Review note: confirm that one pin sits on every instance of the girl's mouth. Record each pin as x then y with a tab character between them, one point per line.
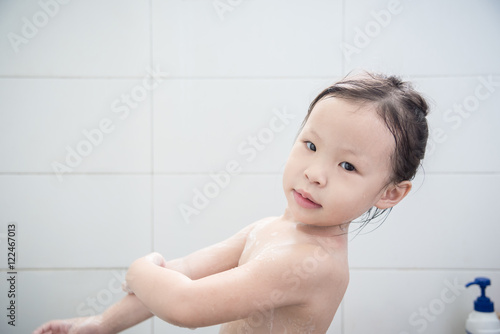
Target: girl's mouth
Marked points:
301	197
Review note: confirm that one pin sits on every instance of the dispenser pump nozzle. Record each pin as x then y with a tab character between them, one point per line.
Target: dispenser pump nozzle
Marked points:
482	303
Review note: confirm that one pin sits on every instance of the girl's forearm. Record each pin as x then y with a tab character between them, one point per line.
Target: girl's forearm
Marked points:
126	313
130	310
159	289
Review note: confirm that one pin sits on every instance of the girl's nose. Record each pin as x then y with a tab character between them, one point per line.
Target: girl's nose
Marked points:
315	175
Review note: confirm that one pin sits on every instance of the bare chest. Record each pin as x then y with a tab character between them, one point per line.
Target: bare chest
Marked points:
275	322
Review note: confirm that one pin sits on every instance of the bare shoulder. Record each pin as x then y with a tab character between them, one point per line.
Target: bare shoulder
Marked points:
245	231
305	266
263	222
253	228
319	262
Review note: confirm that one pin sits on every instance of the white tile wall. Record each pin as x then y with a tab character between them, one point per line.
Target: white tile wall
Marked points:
447	221
248	38
423	38
463	112
71	38
68	126
77	223
183	85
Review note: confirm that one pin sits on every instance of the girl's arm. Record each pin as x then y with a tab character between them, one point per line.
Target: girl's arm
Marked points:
213	259
126	313
257	286
130	310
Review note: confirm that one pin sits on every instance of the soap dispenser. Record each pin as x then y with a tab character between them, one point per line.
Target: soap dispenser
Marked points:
483	320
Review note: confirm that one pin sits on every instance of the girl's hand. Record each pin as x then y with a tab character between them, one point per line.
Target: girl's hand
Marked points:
154	258
126	288
88	325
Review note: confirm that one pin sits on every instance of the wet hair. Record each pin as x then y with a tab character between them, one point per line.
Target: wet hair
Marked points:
403	110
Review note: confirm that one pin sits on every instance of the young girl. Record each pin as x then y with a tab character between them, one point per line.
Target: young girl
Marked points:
360	144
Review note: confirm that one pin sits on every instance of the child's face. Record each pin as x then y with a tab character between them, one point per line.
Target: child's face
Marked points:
340	161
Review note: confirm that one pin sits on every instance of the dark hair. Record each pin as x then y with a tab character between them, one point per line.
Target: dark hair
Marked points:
403	110
401	107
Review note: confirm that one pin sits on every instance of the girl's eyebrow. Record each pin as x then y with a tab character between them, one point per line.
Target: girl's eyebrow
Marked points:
345	149
310	131
350	151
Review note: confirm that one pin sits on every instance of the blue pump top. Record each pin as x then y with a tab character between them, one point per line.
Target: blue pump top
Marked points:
482	303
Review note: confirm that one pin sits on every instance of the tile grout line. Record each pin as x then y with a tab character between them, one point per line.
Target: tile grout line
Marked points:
151	99
342	39
62	269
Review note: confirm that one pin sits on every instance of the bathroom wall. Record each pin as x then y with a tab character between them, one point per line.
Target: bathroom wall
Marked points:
132	126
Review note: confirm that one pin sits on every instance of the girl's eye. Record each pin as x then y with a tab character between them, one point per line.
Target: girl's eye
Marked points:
347	166
311	146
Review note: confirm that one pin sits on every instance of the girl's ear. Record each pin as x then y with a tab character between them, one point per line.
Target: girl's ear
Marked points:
393	194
